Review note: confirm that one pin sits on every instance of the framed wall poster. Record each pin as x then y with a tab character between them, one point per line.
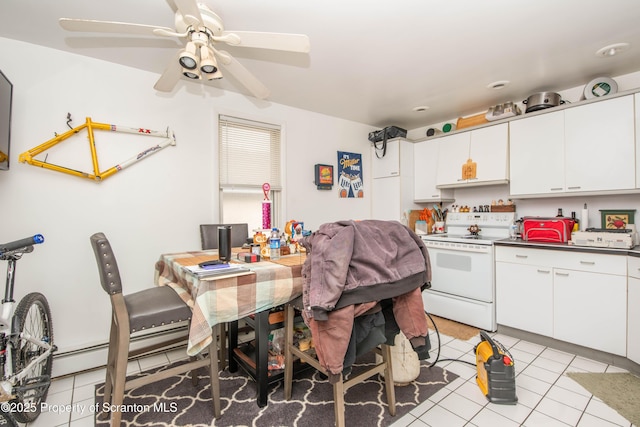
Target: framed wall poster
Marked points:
323	177
350	175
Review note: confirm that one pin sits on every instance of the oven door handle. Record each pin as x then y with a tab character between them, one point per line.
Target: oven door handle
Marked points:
475	249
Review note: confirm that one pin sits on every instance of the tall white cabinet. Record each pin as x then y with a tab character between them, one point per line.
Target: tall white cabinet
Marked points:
393	179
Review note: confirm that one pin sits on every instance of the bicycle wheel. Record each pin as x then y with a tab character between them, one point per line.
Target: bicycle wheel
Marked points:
7	420
32	317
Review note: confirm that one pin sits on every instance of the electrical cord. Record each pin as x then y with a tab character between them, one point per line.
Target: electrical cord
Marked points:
440	345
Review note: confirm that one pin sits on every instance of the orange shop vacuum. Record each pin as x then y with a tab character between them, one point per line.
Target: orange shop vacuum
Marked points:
496	371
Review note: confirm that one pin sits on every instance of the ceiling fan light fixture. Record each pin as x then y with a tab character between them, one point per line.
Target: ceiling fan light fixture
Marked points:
192	74
188	58
208	63
217	75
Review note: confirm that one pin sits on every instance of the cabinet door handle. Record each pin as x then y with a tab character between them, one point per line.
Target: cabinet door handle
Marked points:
435	195
574	188
471	179
556	189
461	179
544	271
561	274
527	256
588	262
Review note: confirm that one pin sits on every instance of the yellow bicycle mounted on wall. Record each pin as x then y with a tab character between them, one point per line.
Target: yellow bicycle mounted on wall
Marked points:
97	175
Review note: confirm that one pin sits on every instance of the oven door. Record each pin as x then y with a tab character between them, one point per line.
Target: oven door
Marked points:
462	269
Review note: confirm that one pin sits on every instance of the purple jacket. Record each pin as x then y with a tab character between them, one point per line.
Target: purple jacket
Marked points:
351	262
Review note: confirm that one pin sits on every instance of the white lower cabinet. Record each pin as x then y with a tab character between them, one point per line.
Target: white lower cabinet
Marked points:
590	310
633	310
533	284
577	297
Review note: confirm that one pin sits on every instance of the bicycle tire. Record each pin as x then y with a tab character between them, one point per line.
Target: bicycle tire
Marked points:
33	316
7	420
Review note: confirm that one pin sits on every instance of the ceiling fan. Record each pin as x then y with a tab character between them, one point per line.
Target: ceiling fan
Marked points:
203	32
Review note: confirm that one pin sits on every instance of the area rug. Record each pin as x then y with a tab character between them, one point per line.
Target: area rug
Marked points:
176	402
620	391
453	329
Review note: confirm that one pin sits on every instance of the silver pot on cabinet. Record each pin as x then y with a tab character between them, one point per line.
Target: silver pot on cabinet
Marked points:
541	100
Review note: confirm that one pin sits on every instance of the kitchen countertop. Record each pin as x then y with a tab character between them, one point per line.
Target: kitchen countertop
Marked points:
635	251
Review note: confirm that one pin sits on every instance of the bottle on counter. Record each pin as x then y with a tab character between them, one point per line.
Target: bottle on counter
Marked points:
576	222
559	213
514	230
274	244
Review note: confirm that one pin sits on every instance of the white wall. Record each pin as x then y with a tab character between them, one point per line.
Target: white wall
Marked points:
152	207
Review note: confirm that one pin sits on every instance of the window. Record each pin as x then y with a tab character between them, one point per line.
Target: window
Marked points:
249	156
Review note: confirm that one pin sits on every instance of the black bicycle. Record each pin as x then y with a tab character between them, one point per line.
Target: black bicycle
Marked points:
26	343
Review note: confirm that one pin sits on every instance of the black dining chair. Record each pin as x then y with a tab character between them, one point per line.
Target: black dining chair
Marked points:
138	312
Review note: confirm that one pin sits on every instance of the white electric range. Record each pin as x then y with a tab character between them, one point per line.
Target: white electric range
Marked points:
462	268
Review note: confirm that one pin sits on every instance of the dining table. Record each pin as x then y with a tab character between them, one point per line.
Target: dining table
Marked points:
220	300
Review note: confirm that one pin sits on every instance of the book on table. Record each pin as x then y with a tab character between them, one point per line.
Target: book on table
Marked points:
217	270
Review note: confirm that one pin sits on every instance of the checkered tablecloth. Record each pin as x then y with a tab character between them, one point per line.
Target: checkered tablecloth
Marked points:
215	301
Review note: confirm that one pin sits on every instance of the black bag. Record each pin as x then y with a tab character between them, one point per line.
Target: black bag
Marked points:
383	135
389	132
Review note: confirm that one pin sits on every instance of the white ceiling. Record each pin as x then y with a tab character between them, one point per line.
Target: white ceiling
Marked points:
372	61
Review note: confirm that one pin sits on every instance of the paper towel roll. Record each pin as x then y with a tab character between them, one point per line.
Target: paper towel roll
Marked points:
584	218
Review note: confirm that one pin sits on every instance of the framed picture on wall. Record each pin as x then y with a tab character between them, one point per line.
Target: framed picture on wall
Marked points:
324	177
617	219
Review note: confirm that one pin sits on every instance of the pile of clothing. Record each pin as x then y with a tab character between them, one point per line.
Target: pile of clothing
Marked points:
362	283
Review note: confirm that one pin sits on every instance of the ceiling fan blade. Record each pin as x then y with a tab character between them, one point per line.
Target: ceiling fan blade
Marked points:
243	75
88	25
190	11
276	41
169	77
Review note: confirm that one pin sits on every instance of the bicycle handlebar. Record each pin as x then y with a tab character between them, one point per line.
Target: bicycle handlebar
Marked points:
22	243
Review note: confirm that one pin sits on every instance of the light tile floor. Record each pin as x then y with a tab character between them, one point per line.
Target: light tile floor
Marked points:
546	396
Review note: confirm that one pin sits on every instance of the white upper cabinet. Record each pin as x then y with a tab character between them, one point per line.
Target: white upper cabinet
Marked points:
536	153
425	169
637	121
483	151
600	146
584	149
389	164
489	149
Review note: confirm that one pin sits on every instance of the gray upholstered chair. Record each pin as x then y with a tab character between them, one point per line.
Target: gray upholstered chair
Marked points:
143	310
209	235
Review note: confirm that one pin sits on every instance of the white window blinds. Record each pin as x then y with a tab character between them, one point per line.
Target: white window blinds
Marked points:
249	153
